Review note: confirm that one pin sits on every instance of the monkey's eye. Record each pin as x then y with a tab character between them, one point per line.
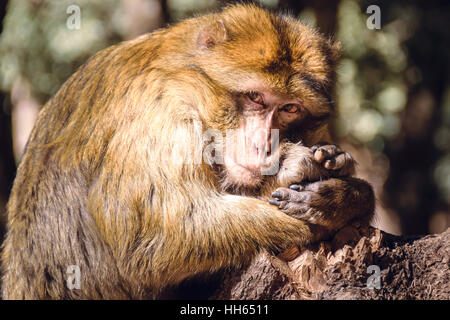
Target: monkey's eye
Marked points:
291	108
255	97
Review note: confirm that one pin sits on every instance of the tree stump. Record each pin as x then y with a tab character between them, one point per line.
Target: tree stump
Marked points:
359	262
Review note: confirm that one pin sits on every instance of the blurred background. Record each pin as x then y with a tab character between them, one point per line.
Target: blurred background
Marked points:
393	90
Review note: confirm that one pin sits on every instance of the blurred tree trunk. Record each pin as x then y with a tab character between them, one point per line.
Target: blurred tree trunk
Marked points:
7	165
25	110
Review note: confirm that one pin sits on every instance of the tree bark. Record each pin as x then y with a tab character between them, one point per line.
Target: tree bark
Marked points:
409	268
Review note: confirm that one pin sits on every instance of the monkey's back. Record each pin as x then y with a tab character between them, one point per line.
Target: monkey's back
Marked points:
50	226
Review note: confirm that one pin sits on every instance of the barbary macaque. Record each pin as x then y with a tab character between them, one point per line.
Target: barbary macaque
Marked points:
106	186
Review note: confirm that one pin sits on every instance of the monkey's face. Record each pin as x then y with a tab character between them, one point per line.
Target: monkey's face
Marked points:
278	75
254	147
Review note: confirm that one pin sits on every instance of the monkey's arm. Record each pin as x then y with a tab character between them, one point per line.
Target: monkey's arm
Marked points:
206	235
228	230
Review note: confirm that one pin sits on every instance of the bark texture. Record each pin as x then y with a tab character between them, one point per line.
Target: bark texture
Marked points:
409	268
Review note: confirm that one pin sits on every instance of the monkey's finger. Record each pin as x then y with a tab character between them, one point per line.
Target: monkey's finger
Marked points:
284	194
325	152
281	193
296	187
320	155
343	162
335	163
330	164
280	204
305	206
275	202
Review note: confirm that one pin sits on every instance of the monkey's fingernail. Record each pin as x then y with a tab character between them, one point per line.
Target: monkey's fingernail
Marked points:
330	164
275	202
276	194
319	155
295	187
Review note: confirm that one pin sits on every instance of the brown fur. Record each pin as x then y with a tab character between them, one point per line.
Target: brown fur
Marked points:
100	186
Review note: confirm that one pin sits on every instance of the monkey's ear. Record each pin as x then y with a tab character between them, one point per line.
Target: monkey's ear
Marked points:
212	35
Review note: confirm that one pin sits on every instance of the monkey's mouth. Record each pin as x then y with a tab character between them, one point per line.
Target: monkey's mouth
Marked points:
247	174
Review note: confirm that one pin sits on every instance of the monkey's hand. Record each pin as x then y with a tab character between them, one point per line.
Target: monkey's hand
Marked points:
333	158
331	203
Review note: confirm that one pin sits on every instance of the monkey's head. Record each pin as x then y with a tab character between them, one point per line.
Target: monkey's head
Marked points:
274	73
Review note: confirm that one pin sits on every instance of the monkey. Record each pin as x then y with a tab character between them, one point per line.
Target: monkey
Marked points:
105	185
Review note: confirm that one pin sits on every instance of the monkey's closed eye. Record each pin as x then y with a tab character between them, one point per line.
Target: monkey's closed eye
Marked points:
256	97
291	108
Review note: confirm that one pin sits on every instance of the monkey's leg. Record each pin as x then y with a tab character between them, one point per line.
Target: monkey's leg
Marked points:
331	203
